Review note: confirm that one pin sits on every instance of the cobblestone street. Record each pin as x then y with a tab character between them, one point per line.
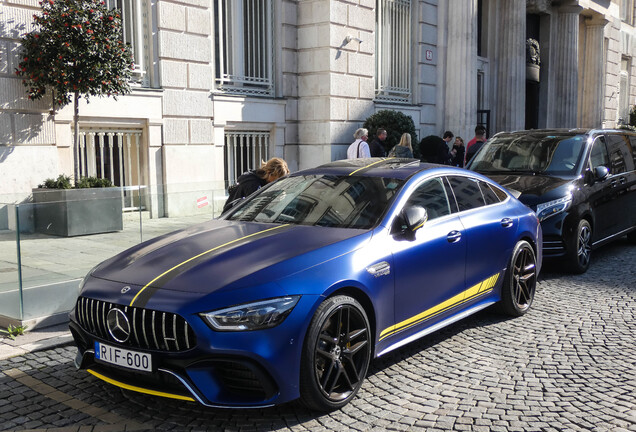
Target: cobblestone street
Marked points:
568	365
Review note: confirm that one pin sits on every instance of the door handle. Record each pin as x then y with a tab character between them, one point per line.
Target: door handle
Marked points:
506	222
622	180
613	183
454	236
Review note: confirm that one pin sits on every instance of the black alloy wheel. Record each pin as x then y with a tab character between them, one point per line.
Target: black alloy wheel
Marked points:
520	282
580	252
336	354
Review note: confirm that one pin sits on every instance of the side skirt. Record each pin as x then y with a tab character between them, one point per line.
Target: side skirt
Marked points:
436	327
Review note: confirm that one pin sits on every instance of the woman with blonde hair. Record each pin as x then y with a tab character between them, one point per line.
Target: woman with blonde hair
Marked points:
404	148
251	181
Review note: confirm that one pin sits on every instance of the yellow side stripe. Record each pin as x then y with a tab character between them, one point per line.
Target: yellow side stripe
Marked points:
138	389
370	165
478	289
201	254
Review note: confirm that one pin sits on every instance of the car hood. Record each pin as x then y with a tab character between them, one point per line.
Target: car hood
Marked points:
533	189
219	254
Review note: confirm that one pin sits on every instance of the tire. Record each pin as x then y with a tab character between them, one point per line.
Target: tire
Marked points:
336	354
520	281
580	250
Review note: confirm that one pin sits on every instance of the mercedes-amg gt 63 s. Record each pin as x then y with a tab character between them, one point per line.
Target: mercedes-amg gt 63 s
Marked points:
293	291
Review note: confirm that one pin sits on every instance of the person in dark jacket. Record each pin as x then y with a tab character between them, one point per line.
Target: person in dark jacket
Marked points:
458	152
435	149
376	147
250	181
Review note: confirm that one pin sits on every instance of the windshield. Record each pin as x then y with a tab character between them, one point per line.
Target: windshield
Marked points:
539	154
323	200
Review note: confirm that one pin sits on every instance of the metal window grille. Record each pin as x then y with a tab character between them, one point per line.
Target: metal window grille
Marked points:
244	151
135	32
115	155
243	46
393	60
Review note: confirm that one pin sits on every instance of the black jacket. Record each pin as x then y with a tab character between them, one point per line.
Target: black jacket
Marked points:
435	150
376	148
246	185
458	159
472	150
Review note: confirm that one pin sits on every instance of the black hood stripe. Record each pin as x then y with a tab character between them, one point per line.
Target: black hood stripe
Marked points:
144	295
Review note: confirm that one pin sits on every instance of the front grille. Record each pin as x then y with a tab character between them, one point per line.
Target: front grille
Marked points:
149	329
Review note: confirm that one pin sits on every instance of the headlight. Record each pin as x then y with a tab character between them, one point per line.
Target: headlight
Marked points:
251	316
550	208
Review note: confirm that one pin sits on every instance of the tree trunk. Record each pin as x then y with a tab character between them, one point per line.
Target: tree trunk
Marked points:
76	137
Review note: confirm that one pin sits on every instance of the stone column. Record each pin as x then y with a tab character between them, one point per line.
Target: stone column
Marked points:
511	67
566	66
591	106
460	104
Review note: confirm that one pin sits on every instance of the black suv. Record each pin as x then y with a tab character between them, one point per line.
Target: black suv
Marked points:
581	184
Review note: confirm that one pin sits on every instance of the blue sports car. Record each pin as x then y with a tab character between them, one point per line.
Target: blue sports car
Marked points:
293	292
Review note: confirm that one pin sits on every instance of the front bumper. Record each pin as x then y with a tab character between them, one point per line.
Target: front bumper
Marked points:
224	369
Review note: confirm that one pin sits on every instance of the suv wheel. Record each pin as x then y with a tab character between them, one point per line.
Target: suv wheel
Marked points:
580	250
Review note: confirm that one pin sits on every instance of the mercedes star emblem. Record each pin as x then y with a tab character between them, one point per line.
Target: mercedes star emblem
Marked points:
118	325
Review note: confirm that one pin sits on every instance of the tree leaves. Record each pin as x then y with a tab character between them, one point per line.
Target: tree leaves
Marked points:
76	46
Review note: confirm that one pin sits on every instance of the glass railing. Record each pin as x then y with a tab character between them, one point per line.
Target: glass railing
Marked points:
49	242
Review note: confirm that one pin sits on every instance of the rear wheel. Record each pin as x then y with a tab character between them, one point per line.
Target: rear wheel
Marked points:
580	250
336	354
520	281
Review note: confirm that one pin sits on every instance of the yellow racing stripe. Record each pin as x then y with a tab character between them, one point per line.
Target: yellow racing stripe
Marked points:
201	254
370	165
138	389
463	297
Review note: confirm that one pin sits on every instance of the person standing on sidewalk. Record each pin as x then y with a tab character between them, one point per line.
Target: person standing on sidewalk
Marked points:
376	147
359	148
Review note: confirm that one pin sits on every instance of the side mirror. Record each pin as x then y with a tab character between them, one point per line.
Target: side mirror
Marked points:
413	217
600	172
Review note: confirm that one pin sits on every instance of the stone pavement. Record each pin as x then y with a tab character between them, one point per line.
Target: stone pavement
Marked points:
567	365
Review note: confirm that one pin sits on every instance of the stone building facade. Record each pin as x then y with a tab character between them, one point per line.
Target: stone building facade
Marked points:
221	84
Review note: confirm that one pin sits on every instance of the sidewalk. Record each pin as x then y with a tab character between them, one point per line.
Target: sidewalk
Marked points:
36	340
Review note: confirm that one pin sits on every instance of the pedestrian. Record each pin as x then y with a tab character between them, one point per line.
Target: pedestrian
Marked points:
475	144
435	149
376	147
458	152
404	148
359	148
250	181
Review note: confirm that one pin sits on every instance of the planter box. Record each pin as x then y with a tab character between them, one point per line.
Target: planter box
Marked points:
74	212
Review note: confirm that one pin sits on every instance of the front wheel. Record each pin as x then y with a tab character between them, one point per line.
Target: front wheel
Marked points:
336	354
580	250
520	281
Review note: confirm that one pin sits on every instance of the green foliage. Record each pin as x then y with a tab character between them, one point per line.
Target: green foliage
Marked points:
14	331
395	123
75	48
93	182
64	182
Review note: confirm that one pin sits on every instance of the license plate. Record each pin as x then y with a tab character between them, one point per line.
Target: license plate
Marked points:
123	357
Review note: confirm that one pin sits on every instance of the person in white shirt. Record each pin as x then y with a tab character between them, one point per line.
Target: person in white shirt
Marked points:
359	148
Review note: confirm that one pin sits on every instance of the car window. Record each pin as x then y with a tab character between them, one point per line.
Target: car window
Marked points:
598	155
620	154
467	192
489	196
432	196
553	154
323	200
